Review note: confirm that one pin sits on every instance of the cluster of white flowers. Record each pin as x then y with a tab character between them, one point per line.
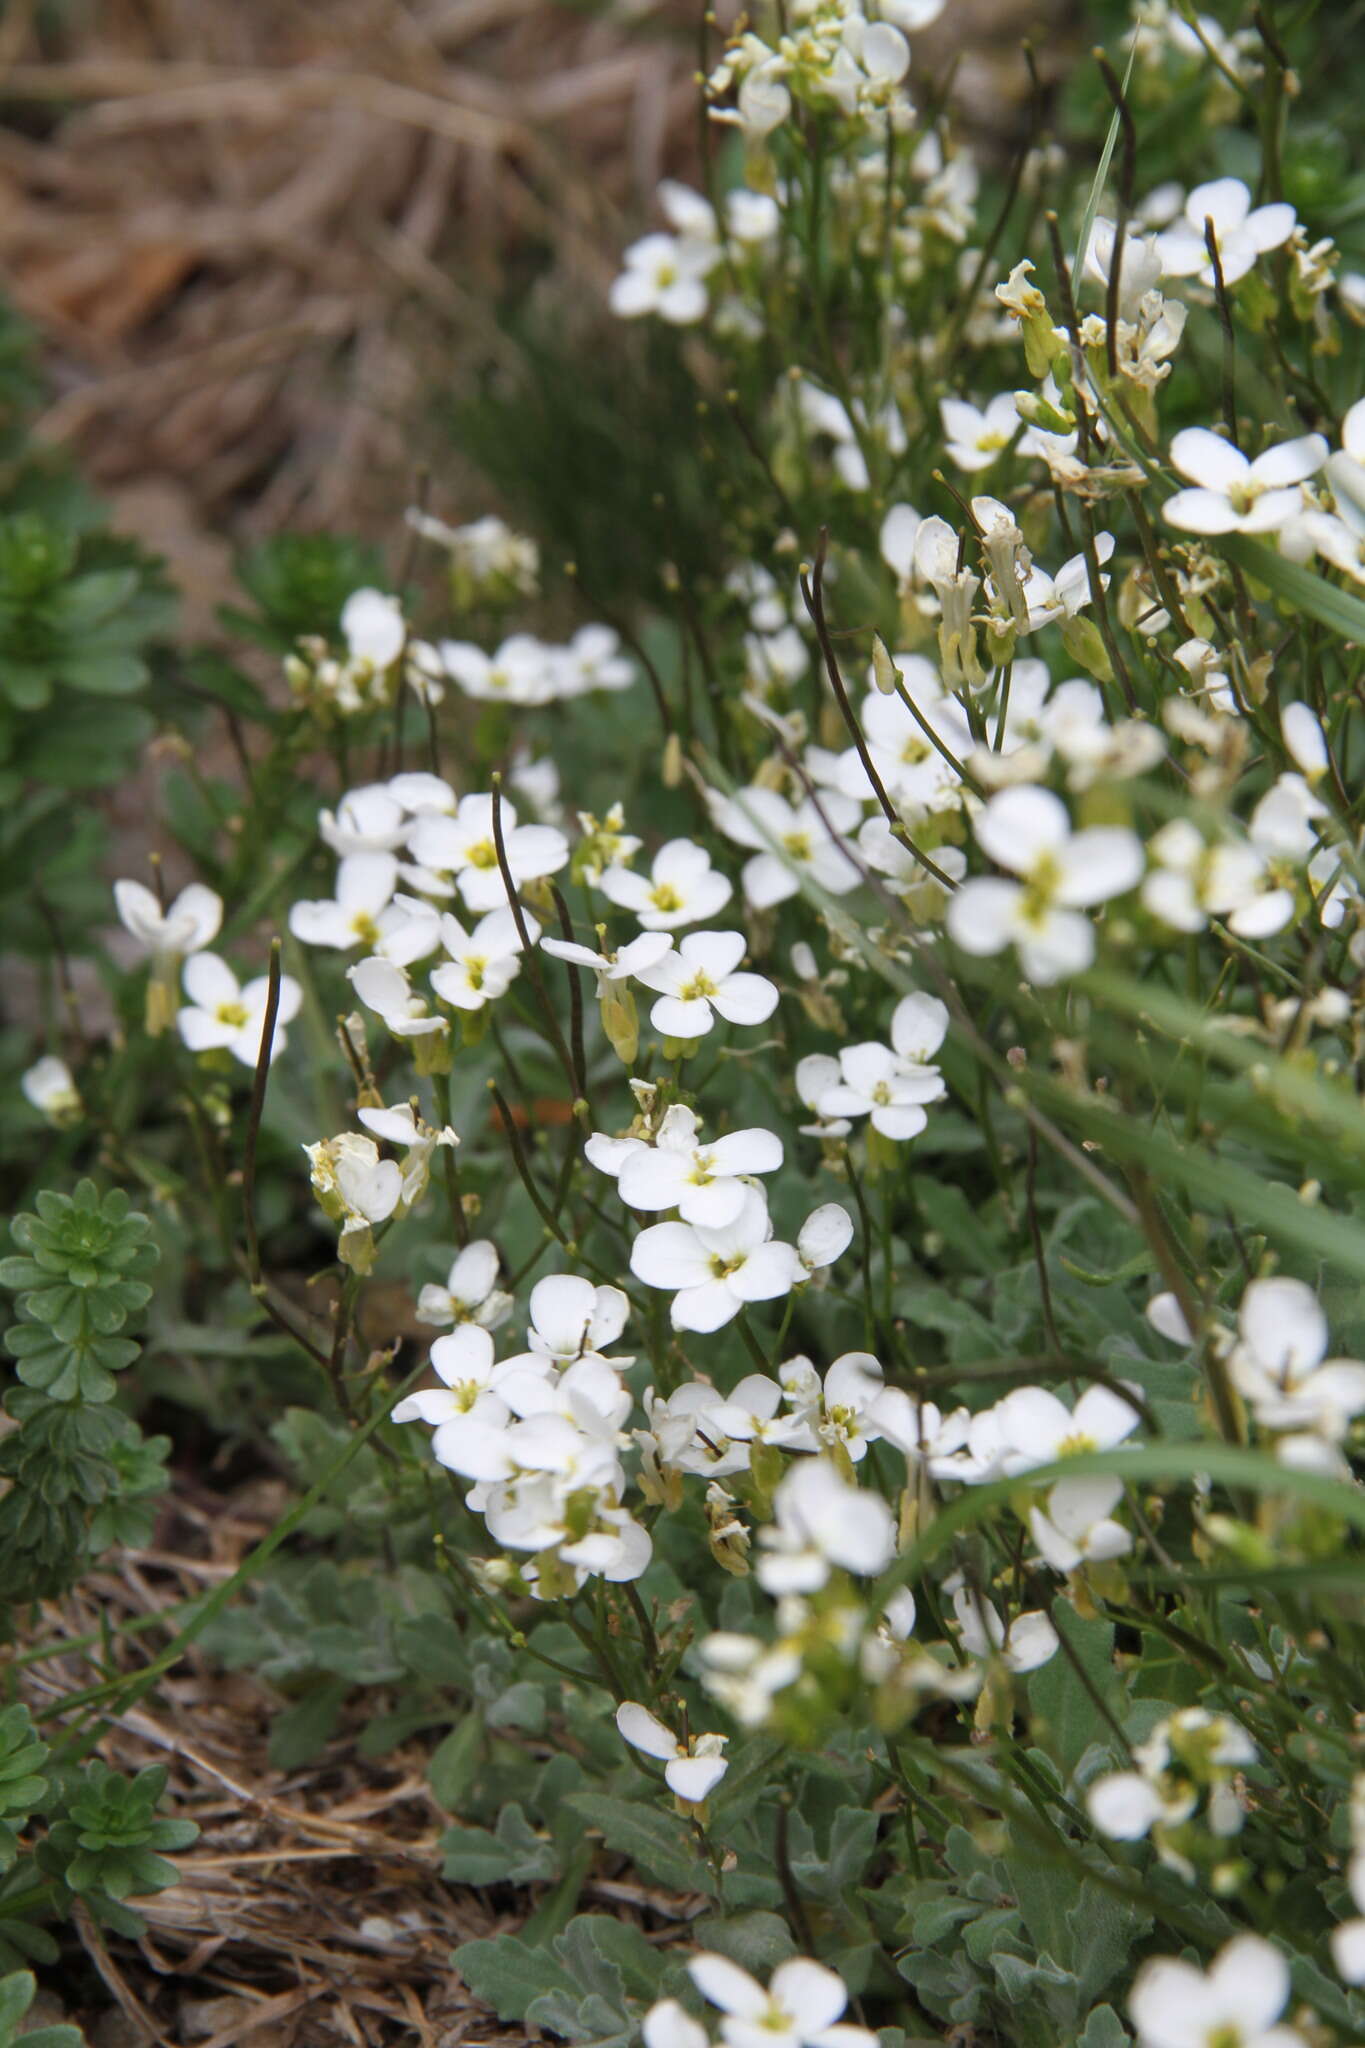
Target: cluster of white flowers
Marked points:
221	1014
1183	1785
360	1189
539	1435
831	55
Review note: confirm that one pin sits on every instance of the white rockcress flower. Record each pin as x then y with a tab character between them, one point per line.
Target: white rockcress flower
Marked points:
1077	1527
698	981
1032	1427
483	963
1028	831
842	1410
1233	495
51	1088
1241	232
523	671
360	913
1280	1365
692	1770
664	274
1192	882
891	1085
571	1319
801	2008
367	820
820	1522
703	1181
373	628
189	924
223	1015
467	1401
974	437
714	1273
385	988
463	845
642	951
682	887
793	840
1028	1641
1234	2004
470	1294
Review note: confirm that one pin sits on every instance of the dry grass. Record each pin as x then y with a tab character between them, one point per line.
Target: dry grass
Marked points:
254	236
312	1908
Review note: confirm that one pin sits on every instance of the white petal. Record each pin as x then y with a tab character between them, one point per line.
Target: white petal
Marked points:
1207	459
644	1731
695	1777
725	1985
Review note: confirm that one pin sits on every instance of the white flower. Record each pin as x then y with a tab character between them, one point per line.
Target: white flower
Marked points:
1077	1526
384	987
470	1294
192	922
799	2009
683	887
669	2025
1192	882
364	890
465	1411
51	1088
1305	739
702	1181
372	624
593	661
815	1075
523	671
664	274
698	981
368	820
1233	495
824	1237
1028	831
644	950
572	1319
1033	1427
482	963
794	840
973	438
845	1409
223	1015
1240	233
1234	2004
692	1770
822	1521
463	845
713	1274
1125	1805
1028	1641
1280	1362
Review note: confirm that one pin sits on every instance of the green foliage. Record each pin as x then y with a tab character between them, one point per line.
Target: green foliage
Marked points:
82	1476
107	1844
17	1993
299	582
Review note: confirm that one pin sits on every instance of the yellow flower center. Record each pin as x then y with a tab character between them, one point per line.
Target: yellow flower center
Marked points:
798	845
665	898
484	855
697	990
232	1013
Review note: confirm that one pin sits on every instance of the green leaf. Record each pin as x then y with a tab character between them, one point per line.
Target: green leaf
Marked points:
1067	1719
758	1942
1300	587
659	1843
512	1854
17	1992
451	1770
1104	2029
509	1974
303	1730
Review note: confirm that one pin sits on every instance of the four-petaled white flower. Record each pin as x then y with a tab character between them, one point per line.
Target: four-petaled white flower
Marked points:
188	925
794	840
714	1273
820	1522
481	964
664	274
1241	232
470	1294
974	437
692	1770
222	1015
464	845
360	913
1235	2003
704	1181
698	981
801	2008
1028	831
1234	495
1280	1364
682	887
